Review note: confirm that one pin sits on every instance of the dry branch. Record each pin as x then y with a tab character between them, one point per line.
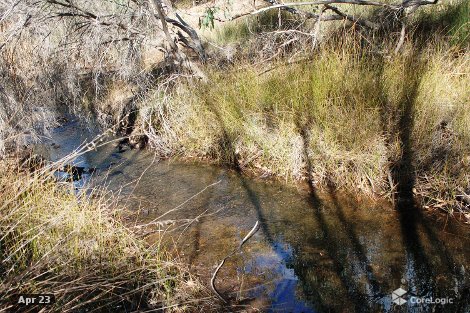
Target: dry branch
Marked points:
214	275
290	7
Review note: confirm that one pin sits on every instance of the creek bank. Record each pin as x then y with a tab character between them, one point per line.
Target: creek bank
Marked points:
82	132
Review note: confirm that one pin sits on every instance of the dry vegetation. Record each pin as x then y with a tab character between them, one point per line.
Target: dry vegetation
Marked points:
77	247
285	96
282	98
73	55
340	111
340	116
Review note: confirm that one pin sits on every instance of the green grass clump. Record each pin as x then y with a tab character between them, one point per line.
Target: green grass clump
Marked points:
353	113
341	117
76	247
447	19
273	122
244	29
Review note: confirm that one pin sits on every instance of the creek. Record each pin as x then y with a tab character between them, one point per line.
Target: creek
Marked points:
313	252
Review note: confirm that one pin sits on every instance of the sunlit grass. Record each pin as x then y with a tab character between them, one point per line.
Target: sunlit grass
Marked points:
76	247
342	110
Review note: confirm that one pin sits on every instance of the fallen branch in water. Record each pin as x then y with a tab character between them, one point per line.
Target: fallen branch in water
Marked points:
214	275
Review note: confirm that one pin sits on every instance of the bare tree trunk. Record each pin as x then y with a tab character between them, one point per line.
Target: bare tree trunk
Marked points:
157	6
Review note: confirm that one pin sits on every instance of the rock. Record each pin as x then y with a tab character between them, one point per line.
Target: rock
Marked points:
76	172
61	120
138	139
123	145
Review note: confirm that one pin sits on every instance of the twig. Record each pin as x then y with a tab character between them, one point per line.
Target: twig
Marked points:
182	204
359	21
392	186
402	38
317	27
214	275
292	4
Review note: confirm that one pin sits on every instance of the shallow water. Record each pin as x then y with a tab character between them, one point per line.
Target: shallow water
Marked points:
324	252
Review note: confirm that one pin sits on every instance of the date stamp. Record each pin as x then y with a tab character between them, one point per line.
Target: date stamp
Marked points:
32	299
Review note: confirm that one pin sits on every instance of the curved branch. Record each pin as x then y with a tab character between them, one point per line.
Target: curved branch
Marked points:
214	275
396	6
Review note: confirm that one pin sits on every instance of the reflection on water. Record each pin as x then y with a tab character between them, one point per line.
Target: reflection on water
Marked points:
327	253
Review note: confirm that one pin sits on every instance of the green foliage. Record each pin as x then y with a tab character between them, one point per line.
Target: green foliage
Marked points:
207	20
460	24
452	20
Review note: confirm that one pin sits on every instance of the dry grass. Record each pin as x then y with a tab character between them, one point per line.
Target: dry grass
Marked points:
347	114
337	117
75	246
67	56
334	117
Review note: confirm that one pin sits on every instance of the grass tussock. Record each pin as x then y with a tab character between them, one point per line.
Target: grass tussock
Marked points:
448	19
338	108
76	247
341	117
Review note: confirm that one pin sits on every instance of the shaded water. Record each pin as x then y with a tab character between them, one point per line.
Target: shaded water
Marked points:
322	252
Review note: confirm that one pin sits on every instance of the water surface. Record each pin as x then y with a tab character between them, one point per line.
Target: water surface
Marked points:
314	251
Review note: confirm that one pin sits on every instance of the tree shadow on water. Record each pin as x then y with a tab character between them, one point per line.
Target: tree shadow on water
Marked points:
336	251
420	273
358	248
359	295
403	174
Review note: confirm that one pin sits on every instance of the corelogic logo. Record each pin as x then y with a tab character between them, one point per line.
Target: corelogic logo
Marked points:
397	296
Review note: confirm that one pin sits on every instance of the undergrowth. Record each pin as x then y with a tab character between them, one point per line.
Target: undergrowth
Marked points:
76	247
339	117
